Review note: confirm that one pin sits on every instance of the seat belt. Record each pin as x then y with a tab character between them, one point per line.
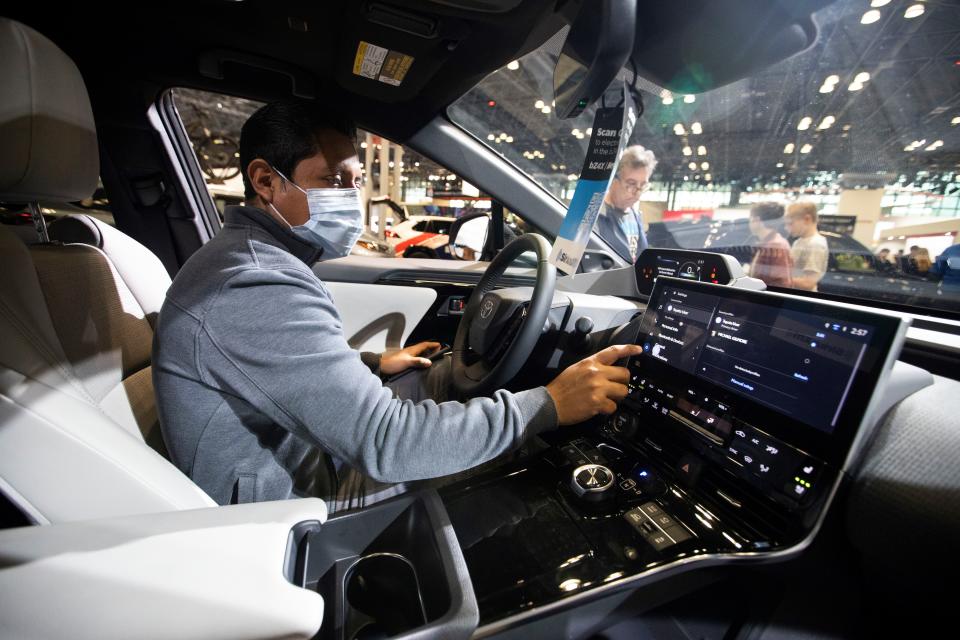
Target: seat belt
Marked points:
39	224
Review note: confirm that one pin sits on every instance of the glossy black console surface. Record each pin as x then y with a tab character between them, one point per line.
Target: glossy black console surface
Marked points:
529	540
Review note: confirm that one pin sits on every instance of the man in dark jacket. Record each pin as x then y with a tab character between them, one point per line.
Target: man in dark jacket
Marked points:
254	378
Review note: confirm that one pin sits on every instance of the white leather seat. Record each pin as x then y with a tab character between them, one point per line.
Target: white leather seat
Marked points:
76	395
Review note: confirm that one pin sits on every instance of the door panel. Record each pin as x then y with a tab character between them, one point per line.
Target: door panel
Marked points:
378	317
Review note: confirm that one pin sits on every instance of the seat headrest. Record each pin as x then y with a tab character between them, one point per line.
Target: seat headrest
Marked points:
46	122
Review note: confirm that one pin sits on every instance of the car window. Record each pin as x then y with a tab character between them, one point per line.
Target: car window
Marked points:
864	127
418	202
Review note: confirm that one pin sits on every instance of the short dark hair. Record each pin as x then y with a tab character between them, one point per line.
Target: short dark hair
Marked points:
284	133
766	211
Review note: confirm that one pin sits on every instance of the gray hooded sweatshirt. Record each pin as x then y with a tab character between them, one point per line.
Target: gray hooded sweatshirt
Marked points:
257	387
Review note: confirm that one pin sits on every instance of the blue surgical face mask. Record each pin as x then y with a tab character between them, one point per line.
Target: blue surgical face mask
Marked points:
336	219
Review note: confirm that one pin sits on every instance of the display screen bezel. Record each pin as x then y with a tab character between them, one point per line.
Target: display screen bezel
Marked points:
830	447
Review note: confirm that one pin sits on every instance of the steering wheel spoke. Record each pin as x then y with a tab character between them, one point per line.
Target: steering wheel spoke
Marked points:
506	342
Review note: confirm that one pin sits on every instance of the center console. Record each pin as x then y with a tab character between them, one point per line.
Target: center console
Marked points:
744	411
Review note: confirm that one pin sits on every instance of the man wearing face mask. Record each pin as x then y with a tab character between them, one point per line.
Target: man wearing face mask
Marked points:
259	395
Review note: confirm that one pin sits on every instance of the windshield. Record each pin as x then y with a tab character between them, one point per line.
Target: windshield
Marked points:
837	170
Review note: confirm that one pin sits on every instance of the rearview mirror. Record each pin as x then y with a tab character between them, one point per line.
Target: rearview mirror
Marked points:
597	47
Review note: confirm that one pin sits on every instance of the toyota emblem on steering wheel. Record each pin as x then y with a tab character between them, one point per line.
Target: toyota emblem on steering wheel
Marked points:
486	309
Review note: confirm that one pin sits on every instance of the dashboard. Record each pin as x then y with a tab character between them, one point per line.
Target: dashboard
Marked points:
701	266
744	410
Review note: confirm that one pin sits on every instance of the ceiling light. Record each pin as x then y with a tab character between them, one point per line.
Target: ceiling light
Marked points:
708	177
509	138
913	11
687	151
701	150
689	99
668	100
834	79
572	176
693	166
704	165
678	129
589	131
490	136
575	132
696	128
826	123
538	104
546	108
846	127
826	88
416	164
779	165
862	77
909	147
806	148
870	17
804	123
855	86
788	148
879	3
934	145
580	136
956	120
391	164
513	65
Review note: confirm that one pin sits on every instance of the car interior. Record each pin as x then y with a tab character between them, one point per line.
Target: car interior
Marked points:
786	464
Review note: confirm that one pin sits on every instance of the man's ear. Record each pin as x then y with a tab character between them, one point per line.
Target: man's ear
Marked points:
261	178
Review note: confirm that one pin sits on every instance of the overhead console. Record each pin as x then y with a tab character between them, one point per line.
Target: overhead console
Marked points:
744	410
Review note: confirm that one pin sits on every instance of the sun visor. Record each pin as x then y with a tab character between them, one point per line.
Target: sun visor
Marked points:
379	59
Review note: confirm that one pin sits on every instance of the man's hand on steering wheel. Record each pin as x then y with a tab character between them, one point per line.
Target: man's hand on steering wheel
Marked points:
394	362
592	385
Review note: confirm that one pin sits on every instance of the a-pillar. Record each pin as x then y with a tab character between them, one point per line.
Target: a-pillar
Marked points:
383	177
368	173
395	192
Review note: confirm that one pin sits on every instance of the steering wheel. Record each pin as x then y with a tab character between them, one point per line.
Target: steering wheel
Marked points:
499	329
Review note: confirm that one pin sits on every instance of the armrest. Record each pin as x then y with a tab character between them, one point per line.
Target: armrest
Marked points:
204	573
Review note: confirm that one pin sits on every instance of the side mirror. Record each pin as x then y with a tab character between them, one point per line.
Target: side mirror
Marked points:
468	239
596	261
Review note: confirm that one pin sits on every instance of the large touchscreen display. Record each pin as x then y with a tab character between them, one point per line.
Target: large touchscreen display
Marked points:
798	358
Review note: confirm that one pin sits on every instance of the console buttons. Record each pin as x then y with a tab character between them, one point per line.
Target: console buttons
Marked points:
664	521
650	508
628	485
573	455
660	541
689	469
594	456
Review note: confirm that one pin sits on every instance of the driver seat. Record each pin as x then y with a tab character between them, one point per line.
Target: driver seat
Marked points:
76	395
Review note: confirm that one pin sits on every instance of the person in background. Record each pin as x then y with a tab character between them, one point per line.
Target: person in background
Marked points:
922	261
885	261
809	251
771	263
947	267
620	222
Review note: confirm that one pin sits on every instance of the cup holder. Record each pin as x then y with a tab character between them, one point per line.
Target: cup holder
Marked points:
382	597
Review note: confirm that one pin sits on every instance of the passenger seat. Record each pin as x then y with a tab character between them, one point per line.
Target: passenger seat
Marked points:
76	393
